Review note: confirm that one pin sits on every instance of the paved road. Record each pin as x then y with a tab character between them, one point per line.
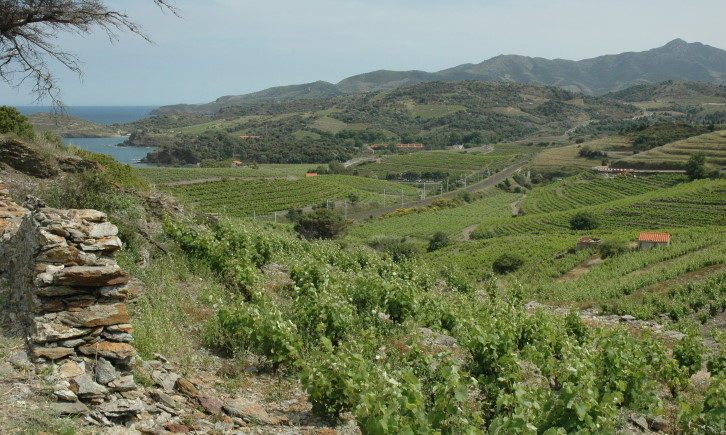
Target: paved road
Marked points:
489	182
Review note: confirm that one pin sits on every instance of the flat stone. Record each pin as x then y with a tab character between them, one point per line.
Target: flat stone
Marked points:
211	405
122	408
96	315
112	243
130	290
105	372
120	337
20	359
65	255
124	327
163	398
60	290
108	349
167	381
86	388
91	276
627	318
52	353
123	384
88	215
66	395
99	231
248	411
185	387
71	369
70	408
176	428
43	331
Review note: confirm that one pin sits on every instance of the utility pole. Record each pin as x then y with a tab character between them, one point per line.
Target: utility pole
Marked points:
345	208
384	198
464	181
401	198
275	217
447	185
254	215
424	197
327	203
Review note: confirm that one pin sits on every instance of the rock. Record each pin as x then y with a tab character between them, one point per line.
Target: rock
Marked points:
76	164
25	159
43	330
105	244
67	395
125	327
627	318
91	276
58	291
86	388
167	381
248	411
72	343
658	424
65	255
20	359
72	369
96	315
123	384
176	428
108	349
7	371
88	215
640	422
99	231
120	337
122	408
52	353
211	405
105	372
70	408
163	398
185	387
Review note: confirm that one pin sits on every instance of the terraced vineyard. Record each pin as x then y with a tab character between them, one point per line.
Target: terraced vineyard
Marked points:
451	220
585	190
698	203
245	198
176	175
453	163
676	154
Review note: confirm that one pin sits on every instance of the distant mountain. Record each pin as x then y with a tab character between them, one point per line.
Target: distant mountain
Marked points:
677	60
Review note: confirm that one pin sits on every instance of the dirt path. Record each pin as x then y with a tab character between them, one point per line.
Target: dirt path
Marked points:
582	269
489	182
516	205
466	232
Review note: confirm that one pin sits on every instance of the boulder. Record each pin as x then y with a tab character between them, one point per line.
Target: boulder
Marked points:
86	388
25	159
248	411
91	276
96	315
105	372
108	349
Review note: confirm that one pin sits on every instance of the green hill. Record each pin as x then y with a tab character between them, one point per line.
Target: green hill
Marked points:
69	126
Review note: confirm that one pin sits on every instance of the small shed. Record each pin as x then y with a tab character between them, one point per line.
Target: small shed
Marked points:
588	243
649	240
311	174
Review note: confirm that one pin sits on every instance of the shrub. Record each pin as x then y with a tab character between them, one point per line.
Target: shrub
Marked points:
612	248
438	240
321	224
584	220
11	121
506	263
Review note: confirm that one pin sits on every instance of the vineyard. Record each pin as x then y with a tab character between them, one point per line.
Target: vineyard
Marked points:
177	175
254	197
428	163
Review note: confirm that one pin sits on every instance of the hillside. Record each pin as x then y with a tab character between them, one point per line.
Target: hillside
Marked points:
677	60
69	126
436	114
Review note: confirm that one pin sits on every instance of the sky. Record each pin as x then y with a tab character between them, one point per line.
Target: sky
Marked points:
232	47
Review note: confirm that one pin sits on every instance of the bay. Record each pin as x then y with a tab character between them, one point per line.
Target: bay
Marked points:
109	146
106	115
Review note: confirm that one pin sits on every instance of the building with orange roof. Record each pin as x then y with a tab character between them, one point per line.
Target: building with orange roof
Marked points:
649	240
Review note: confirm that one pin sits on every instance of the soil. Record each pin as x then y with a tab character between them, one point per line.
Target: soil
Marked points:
581	269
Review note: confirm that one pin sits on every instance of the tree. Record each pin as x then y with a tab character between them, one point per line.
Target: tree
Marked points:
28	29
612	248
507	262
11	121
439	240
321	224
696	166
584	220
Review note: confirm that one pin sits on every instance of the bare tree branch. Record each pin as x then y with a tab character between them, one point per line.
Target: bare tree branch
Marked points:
29	29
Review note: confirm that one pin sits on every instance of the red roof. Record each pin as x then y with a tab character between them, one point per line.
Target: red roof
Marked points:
654	237
237	162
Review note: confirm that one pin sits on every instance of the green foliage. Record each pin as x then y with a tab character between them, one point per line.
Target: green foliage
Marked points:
438	241
399	248
507	263
612	248
584	220
12	122
322	224
696	166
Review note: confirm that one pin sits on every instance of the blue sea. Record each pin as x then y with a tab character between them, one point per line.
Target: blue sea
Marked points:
107	115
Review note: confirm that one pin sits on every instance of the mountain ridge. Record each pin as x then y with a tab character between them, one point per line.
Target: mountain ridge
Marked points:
676	60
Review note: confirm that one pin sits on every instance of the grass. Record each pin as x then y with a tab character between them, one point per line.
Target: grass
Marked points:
174	175
431	111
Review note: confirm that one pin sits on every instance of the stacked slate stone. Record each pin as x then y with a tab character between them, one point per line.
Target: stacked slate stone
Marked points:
70	295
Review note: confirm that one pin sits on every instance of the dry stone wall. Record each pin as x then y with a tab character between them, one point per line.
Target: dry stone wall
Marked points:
69	295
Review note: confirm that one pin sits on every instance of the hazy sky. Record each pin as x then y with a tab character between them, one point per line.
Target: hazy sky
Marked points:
230	47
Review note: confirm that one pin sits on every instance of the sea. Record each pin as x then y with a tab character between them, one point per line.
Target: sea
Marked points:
107	115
